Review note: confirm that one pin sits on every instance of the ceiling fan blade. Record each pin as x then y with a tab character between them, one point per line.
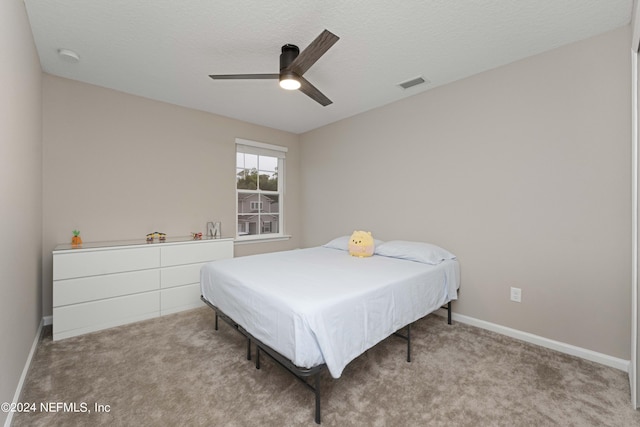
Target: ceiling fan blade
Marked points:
312	92
313	52
243	76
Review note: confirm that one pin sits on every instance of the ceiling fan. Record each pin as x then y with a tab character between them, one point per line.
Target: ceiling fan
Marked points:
293	64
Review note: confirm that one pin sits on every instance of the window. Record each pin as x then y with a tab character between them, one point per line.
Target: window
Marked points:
259	189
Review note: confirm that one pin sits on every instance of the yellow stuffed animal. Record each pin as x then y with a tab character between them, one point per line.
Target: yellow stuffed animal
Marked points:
361	244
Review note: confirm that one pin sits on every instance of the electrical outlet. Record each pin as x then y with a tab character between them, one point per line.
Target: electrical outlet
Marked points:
516	294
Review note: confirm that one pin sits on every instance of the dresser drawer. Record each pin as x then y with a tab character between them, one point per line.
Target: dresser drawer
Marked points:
194	253
93	263
180	275
92	316
72	291
181	298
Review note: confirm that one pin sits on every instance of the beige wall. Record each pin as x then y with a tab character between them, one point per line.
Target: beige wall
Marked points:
522	171
20	195
118	166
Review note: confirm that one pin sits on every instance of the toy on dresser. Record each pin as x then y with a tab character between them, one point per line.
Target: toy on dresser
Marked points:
156	235
76	240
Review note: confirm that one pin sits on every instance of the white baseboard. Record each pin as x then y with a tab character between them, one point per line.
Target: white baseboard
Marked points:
25	370
603	359
48	320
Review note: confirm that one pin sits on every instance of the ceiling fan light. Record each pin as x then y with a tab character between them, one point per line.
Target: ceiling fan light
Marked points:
289	81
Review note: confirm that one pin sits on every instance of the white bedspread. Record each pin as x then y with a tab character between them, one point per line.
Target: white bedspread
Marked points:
321	305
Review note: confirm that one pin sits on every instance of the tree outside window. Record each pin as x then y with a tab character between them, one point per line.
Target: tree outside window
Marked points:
259	192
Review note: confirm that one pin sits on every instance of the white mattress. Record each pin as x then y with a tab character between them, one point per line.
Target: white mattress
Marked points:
321	305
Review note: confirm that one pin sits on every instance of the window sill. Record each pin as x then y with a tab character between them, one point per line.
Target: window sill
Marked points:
244	241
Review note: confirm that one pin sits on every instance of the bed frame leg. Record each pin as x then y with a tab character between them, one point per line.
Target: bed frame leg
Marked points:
257	356
248	348
317	393
216	321
409	342
449	313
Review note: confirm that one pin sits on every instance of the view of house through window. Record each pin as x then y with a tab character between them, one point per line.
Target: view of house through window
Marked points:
259	190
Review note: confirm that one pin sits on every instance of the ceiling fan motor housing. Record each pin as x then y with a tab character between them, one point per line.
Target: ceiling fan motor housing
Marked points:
289	53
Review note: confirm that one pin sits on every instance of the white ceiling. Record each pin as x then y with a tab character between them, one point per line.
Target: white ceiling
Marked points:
165	49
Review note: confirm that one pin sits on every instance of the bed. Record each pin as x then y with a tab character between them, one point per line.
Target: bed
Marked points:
316	308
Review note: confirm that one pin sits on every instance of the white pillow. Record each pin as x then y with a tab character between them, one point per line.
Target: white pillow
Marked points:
342	243
425	253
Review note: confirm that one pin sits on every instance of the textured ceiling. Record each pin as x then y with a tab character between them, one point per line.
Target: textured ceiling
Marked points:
165	49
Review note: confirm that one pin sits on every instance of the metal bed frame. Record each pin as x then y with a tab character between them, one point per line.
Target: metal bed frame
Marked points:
309	377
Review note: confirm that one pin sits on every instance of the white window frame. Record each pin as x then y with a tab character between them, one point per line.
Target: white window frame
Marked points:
262	149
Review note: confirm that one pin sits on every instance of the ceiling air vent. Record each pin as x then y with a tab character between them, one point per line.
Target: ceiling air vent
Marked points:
412	82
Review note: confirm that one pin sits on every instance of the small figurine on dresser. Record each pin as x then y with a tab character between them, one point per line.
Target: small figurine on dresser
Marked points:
76	240
156	235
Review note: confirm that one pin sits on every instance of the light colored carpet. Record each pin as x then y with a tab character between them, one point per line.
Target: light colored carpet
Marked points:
177	370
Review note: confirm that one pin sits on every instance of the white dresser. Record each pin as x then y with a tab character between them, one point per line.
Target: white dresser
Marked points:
106	284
